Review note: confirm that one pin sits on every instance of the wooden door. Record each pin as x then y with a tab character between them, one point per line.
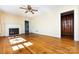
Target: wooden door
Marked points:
26	26
67	25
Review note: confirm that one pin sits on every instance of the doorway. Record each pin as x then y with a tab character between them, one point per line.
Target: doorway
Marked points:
67	24
26	27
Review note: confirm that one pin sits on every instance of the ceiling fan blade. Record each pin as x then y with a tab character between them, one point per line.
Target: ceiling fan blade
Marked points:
22	8
26	11
32	12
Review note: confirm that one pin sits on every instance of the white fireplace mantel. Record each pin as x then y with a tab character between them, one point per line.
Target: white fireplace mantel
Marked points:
11	26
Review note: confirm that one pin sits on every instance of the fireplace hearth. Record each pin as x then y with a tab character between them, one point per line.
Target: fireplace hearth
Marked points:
13	31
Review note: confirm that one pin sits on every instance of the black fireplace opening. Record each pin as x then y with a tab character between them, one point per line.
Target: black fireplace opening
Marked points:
13	31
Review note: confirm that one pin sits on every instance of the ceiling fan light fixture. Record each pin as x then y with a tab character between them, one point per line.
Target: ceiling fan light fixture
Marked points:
28	9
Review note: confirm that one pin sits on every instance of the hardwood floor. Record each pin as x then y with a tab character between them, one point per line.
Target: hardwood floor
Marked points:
41	45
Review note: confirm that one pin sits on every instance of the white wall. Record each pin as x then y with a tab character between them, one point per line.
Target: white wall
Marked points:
11	21
77	24
45	23
49	22
0	25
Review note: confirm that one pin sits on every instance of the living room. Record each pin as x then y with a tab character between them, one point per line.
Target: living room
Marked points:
44	24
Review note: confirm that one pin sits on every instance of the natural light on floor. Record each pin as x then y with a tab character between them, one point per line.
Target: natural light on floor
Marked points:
28	44
16	40
20	45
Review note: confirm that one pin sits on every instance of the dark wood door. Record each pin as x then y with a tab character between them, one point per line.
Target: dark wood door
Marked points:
67	25
26	26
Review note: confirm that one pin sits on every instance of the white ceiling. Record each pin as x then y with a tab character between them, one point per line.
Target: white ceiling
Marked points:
14	9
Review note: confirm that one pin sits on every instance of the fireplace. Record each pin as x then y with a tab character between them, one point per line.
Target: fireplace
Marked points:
13	31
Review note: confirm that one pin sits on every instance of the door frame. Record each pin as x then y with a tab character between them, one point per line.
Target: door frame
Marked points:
67	13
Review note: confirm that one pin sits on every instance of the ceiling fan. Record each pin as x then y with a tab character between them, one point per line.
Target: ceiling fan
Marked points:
28	9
